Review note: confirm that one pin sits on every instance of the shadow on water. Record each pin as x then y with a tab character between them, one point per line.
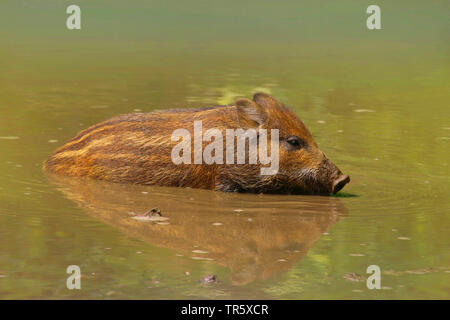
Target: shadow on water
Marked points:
255	236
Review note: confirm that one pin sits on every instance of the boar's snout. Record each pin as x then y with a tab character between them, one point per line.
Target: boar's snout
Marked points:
339	183
331	176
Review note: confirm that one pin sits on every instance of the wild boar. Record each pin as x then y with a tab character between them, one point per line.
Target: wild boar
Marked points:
137	148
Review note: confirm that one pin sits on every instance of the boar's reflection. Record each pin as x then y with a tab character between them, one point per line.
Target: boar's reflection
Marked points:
256	236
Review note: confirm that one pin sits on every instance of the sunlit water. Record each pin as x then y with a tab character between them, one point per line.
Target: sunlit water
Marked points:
376	102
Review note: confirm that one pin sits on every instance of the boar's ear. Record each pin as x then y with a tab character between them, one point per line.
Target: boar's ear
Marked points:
250	111
265	100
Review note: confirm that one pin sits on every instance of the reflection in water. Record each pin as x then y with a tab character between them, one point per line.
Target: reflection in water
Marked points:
256	236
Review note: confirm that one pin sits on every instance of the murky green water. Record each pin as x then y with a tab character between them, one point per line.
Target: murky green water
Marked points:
377	103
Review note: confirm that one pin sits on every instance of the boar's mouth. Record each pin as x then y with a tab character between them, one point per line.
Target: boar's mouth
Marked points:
311	186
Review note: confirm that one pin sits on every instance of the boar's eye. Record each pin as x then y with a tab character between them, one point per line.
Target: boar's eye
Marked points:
295	142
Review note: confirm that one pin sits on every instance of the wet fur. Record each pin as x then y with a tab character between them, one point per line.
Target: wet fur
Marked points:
136	148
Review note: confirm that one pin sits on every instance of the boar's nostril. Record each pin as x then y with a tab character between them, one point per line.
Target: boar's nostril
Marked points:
340	182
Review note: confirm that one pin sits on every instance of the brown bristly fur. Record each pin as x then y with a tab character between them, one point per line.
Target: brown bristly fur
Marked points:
136	148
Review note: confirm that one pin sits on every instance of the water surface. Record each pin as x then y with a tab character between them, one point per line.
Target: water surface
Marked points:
376	102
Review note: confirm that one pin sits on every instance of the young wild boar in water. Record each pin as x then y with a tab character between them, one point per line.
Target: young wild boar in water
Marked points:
137	148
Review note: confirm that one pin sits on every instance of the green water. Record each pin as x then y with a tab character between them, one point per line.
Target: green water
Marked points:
377	103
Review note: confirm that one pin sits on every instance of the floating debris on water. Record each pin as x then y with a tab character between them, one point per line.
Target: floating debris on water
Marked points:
153	212
147	218
9	138
217	224
363	110
200	251
238	210
403	238
151	215
209	279
52	141
353	277
321	121
356	254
